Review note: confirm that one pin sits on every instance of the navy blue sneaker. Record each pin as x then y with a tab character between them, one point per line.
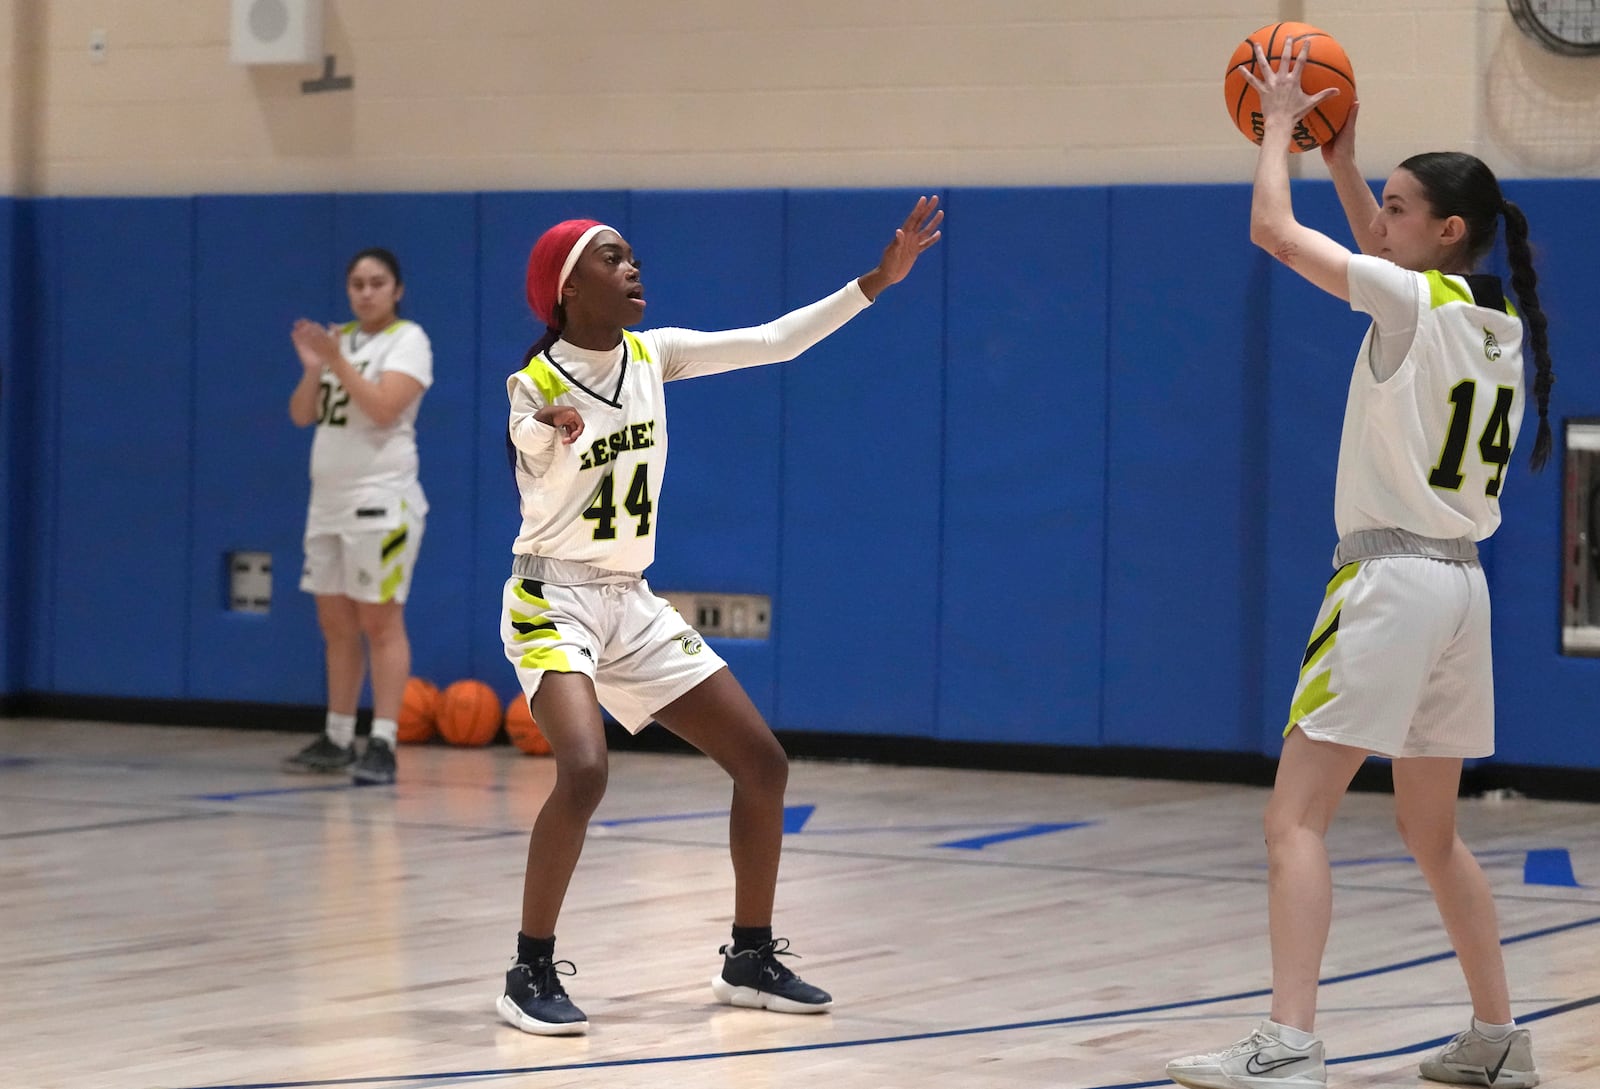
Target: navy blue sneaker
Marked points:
757	980
536	1002
321	757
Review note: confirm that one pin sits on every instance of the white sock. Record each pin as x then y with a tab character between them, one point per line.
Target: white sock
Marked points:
385	728
341	729
1299	1039
1494	1032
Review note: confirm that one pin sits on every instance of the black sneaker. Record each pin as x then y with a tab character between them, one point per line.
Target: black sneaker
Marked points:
536	1002
755	979
321	757
376	764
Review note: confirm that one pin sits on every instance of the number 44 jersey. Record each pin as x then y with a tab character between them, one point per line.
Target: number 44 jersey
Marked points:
596	501
1426	448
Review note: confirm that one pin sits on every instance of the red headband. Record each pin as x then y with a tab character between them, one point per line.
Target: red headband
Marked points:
551	263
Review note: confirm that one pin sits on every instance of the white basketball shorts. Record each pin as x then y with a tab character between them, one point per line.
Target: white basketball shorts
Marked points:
640	653
373	567
1399	660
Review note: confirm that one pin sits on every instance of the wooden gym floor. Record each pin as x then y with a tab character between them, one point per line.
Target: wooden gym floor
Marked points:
175	912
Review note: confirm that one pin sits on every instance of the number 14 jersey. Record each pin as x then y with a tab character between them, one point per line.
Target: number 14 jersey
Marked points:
1426	448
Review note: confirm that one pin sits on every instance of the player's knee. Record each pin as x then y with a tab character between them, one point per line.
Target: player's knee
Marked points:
581	780
1429	842
767	772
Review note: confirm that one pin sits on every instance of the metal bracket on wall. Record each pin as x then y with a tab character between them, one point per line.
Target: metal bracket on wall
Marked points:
327	81
725	616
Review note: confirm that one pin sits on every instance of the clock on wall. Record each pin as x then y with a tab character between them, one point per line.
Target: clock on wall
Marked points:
1561	26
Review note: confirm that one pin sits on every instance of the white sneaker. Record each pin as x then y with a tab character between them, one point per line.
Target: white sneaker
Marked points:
1259	1061
1474	1059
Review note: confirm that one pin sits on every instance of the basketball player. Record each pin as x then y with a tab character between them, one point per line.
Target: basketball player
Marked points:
361	384
588	440
1399	660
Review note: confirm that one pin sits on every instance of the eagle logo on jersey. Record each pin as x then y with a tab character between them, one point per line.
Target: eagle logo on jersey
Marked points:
1491	346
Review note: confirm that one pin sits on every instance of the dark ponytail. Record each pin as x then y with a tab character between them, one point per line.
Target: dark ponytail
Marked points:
1458	184
1525	282
551	335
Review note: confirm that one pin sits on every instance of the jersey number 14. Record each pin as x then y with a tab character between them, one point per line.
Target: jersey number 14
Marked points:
603	511
1494	445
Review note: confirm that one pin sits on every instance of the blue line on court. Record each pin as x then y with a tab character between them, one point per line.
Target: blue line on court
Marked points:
237	794
943	1034
794	818
978	843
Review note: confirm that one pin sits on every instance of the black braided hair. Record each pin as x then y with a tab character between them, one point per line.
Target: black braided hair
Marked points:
1458	184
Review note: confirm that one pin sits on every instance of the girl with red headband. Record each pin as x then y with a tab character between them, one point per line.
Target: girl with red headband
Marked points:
588	442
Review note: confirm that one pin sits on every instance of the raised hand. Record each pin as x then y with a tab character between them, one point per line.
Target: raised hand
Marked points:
1280	90
1342	148
316	346
911	238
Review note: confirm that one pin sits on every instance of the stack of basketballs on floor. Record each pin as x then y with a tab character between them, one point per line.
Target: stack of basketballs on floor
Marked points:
466	713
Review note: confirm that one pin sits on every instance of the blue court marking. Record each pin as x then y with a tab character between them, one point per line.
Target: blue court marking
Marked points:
237	794
1540	866
794	818
944	1034
17	761
102	826
1549	867
978	843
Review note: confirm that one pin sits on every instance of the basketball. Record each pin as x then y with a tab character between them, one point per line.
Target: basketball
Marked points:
419	711
469	713
523	730
1326	66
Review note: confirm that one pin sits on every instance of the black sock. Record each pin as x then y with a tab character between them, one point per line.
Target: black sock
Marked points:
750	937
531	949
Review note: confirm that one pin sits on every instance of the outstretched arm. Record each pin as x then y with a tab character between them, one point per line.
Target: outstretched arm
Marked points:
1273	226
1355	195
687	353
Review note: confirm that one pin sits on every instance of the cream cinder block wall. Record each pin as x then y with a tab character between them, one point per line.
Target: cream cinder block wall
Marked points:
529	94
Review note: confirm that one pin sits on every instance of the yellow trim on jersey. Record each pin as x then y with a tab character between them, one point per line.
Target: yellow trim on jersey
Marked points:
546	379
636	348
1443	289
391	582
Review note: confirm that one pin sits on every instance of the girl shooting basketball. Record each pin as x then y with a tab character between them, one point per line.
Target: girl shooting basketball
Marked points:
1399	660
588	441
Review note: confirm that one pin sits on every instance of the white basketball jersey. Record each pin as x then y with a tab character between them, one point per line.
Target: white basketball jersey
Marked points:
360	472
598	501
1427	449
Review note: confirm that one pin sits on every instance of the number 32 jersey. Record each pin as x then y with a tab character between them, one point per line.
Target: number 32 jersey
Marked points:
360	472
1426	449
596	501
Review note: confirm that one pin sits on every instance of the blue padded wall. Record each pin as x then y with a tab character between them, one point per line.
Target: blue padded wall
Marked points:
719	523
12	425
1024	466
1182	479
508	225
37	477
260	263
858	613
943	563
125	406
1544	701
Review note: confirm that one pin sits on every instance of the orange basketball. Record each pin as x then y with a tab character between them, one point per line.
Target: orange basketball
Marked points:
1326	66
419	711
522	729
469	713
